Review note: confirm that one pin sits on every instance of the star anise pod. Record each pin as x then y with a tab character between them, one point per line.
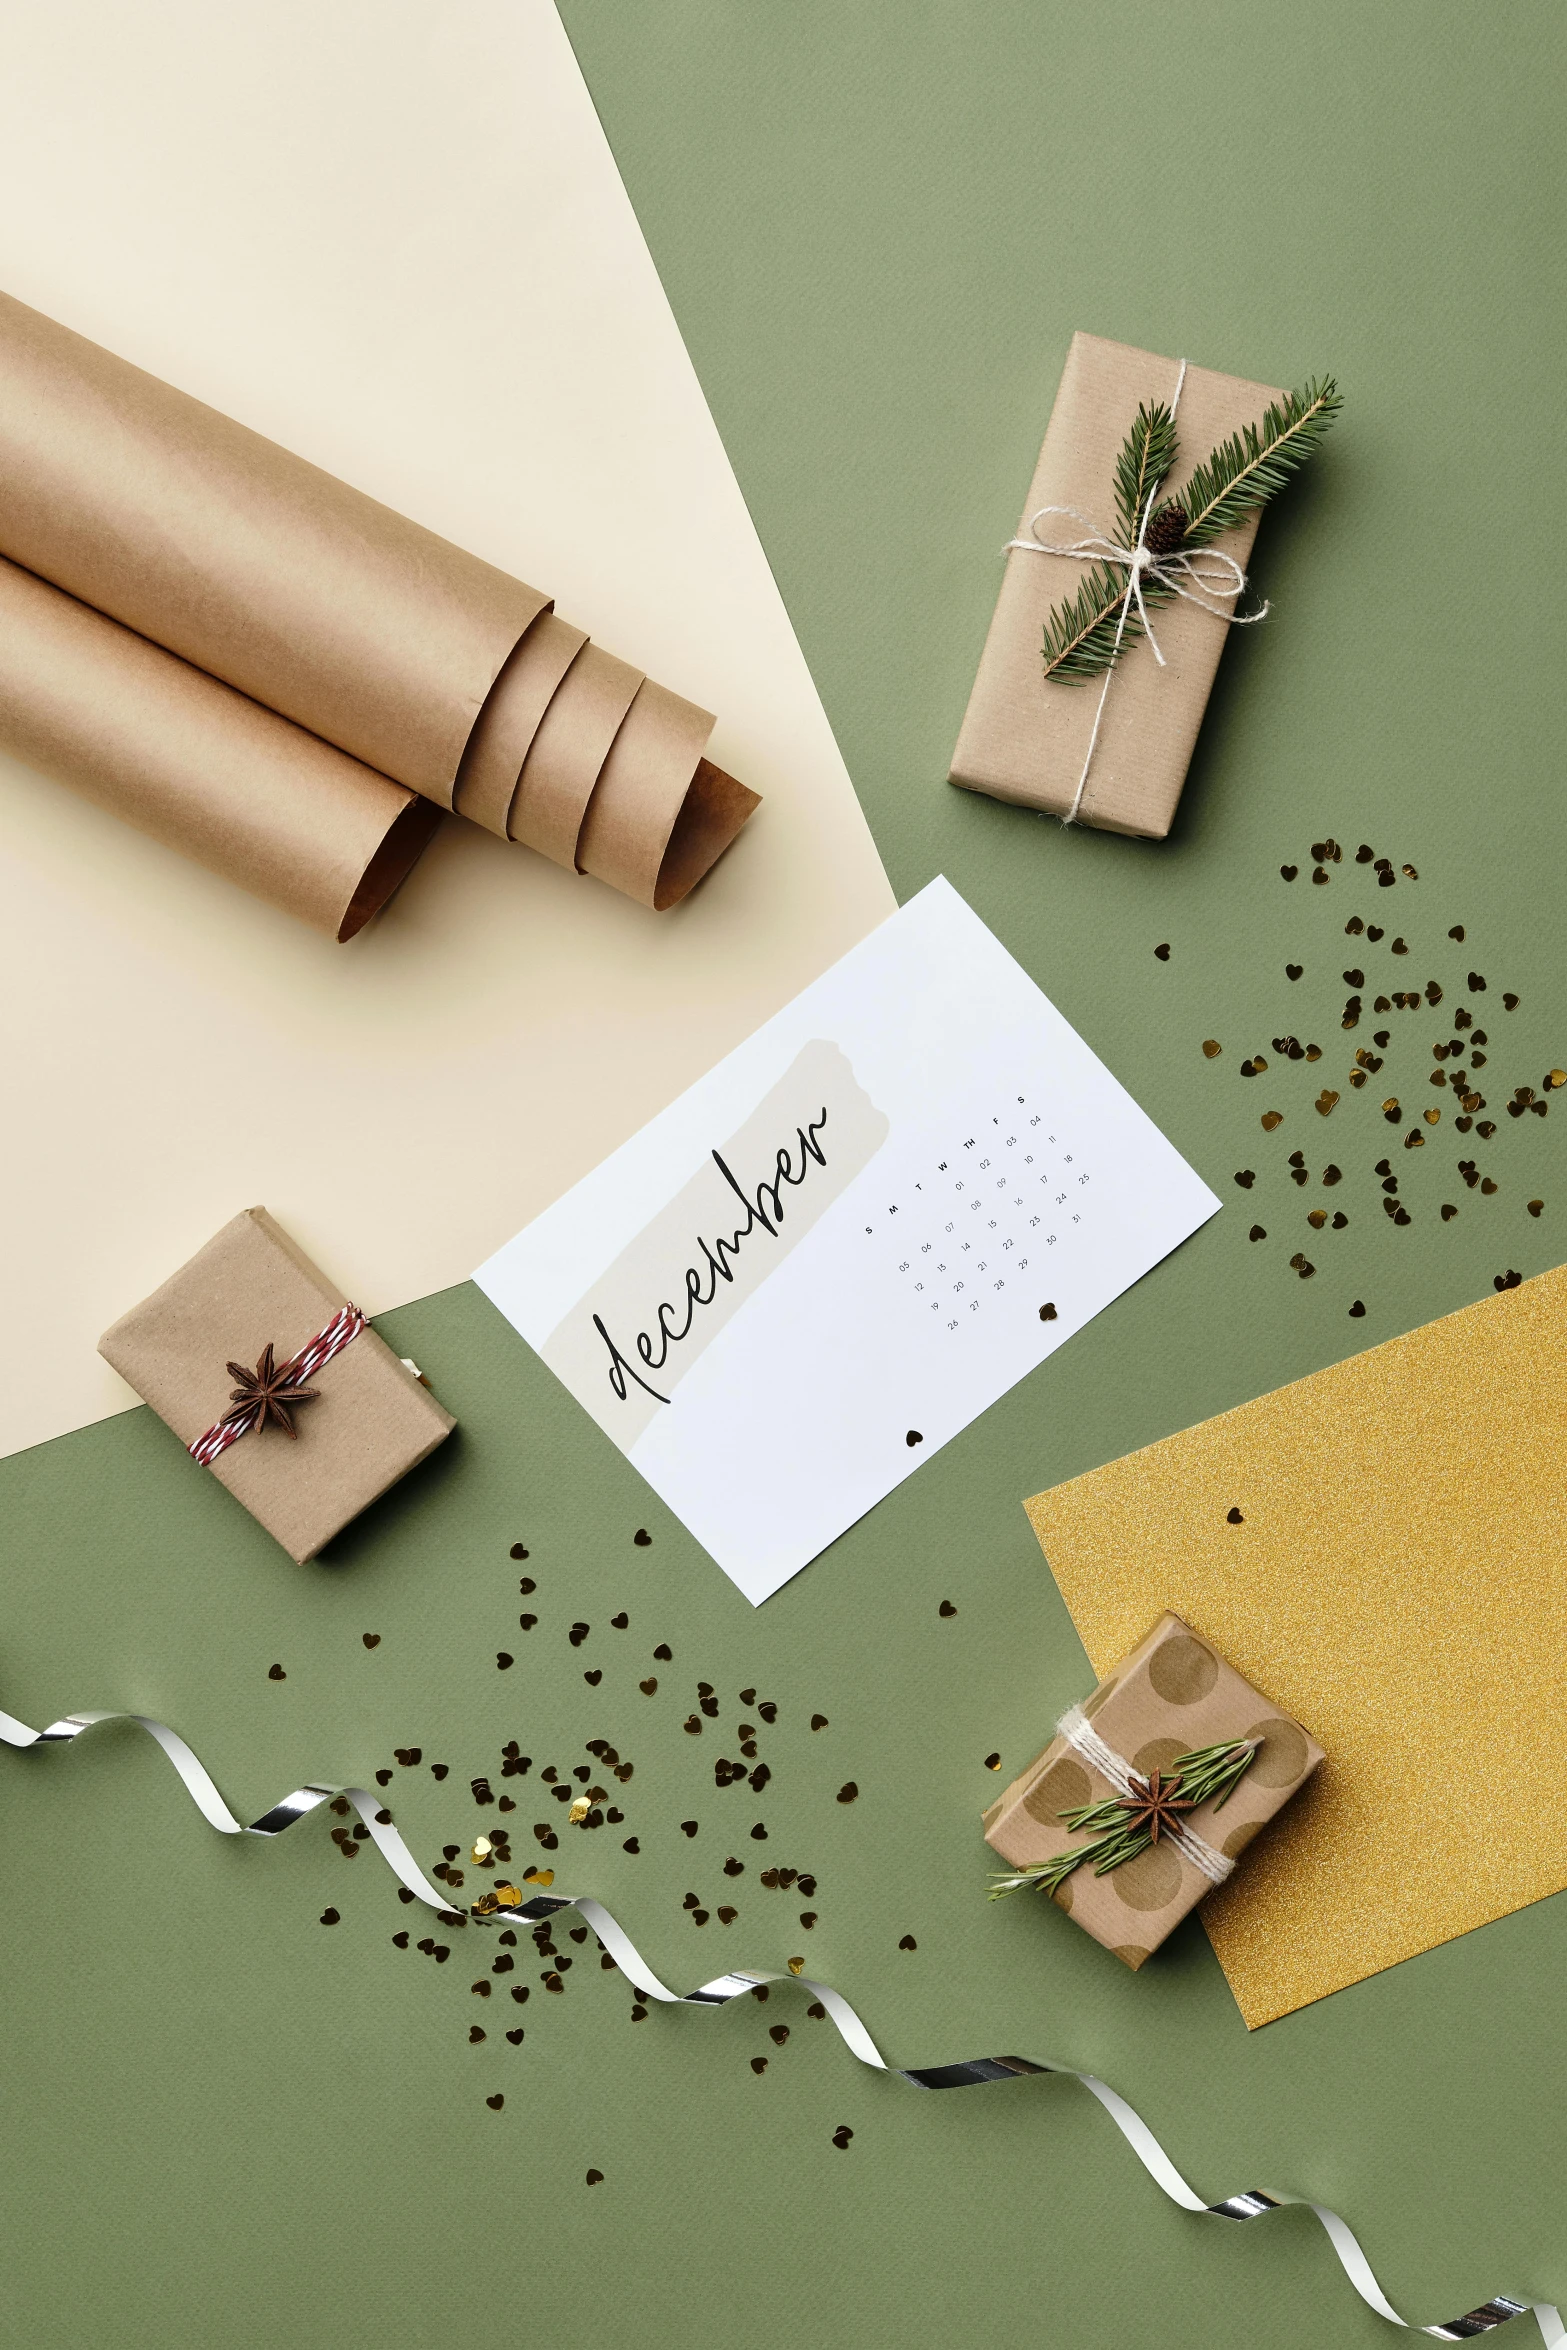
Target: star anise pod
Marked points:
1153	1804
271	1388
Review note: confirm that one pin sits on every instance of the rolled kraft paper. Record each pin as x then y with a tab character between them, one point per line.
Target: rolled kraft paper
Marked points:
404	651
567	756
661	813
197	765
584	759
245	560
487	780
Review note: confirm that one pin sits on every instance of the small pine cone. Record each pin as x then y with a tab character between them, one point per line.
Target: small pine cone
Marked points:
1166	531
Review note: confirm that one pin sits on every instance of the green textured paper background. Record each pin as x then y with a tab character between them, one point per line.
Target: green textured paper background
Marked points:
879	227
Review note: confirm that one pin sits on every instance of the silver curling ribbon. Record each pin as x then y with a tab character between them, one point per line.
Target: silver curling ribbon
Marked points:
1253	2203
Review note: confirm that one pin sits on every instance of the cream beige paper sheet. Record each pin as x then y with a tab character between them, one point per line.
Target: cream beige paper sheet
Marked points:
395	241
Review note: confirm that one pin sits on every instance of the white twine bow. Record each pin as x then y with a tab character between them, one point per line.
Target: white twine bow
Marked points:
1212	580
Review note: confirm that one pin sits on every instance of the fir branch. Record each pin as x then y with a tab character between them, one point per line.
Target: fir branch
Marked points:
1085	636
1253	465
1080	635
1147	455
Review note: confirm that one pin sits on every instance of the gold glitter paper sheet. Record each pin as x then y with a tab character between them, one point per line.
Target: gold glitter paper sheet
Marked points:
1398	1581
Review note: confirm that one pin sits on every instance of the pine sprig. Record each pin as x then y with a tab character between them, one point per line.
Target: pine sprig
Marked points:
1080	635
1147	455
1253	465
1112	1827
1085	636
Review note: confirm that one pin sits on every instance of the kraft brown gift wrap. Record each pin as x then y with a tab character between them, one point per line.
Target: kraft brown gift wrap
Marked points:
197	765
371	1420
412	656
1025	737
1171	1693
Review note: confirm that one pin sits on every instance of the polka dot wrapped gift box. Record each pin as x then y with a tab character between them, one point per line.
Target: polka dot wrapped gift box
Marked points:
1149	1792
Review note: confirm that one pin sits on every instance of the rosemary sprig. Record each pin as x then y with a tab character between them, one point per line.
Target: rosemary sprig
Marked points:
1118	1826
1085	636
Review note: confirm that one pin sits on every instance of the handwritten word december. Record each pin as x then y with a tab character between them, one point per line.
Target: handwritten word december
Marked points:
764	1211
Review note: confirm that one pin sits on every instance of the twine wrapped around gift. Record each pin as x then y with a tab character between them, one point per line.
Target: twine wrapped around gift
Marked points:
272	1389
1159	542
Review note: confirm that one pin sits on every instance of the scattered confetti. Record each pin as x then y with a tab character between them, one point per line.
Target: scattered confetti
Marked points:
758	2064
1271	1119
946	1608
1162	953
503	1661
818	1721
1293	970
647	1687
642	1538
908	1943
914	1437
1233	1518
796	1965
1211	1048
1536	1207
495	2103
331	1917
843	2133
371	1639
1508	1280
595	2178
1356	1310
519	1550
277	1674
1246	1177
847	1793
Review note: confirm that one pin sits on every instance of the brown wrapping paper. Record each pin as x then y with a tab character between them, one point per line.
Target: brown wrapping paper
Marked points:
1171	1693
197	765
370	1423
1025	738
416	659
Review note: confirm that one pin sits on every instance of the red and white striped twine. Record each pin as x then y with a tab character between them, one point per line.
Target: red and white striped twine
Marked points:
341	1331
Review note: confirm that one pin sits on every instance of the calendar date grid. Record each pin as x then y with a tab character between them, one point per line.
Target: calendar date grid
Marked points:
1005	1194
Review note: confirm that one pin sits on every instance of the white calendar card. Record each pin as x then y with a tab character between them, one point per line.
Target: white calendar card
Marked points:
829	1256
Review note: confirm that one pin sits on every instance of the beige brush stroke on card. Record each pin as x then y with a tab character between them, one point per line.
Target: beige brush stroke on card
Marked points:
1398	1583
628	1342
396	242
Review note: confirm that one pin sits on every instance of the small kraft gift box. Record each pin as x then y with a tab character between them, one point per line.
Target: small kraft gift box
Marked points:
1113	751
276	1384
1149	1792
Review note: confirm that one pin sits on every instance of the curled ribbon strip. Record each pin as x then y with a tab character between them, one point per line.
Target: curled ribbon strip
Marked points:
1253	2203
312	1357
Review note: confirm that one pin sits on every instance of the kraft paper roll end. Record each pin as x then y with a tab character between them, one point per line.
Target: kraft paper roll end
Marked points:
600	769
712	815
